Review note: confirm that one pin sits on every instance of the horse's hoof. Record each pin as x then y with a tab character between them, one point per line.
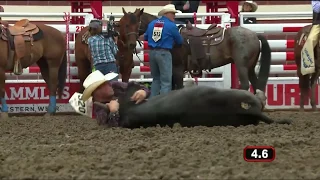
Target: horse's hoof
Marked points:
301	110
48	115
4	116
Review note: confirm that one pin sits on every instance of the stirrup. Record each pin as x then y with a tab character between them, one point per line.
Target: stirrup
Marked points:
17	69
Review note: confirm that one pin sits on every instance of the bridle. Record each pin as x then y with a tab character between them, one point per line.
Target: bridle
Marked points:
136	33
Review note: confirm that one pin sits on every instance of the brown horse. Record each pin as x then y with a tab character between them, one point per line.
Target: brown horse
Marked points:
45	46
308	80
128	27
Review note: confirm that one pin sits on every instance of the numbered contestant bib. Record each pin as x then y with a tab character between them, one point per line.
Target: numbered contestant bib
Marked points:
157	31
81	107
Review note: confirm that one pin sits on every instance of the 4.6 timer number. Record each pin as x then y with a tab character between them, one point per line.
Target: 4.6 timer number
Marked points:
264	153
259	153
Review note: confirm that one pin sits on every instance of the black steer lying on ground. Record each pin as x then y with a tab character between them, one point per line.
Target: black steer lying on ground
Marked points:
194	106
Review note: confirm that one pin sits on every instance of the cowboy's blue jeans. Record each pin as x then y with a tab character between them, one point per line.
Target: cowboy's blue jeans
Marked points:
106	68
161	71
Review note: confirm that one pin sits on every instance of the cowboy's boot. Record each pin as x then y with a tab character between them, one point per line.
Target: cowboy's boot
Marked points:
17	69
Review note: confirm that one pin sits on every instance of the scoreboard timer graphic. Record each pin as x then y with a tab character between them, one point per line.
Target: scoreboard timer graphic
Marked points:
259	153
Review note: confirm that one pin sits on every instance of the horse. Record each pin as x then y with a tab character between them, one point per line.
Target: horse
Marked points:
308	80
129	35
128	27
24	44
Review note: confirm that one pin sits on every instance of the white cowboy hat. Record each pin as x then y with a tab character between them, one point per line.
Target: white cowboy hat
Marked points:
168	8
254	5
93	81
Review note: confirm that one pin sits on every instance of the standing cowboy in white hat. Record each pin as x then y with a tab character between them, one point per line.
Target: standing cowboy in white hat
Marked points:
106	92
307	53
249	6
161	34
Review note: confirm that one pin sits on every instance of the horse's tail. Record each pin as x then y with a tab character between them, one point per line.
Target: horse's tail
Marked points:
265	63
62	76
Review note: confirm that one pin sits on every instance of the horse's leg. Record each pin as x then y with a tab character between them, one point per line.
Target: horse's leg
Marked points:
84	69
4	107
304	89
125	72
242	73
44	69
253	79
314	83
254	82
53	67
177	77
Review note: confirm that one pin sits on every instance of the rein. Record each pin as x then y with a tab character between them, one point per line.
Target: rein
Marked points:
134	51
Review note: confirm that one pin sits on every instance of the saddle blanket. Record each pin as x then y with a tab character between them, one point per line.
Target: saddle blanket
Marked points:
307	52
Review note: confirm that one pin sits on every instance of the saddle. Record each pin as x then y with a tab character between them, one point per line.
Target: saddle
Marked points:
197	38
212	30
22	31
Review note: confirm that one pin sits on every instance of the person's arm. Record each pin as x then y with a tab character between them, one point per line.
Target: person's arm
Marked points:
316	6
253	20
111	50
194	5
102	114
124	85
250	20
114	46
178	4
176	35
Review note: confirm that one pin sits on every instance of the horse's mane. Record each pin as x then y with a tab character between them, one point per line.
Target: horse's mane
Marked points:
145	18
149	15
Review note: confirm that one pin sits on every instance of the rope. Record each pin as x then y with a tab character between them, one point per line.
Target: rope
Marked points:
67	19
195	19
195	25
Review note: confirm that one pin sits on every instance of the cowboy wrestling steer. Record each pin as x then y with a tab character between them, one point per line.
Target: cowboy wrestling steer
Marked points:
16	35
194	106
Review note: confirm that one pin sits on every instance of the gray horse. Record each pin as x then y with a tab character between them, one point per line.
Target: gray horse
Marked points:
215	47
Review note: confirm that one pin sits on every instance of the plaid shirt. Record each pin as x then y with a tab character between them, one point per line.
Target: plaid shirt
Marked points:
316	6
103	50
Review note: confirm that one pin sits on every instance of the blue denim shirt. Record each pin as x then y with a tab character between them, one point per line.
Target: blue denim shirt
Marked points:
103	50
170	34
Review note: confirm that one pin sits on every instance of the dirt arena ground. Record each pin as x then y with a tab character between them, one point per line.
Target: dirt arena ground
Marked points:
74	147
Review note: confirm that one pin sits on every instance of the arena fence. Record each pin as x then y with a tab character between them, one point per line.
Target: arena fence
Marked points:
27	93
